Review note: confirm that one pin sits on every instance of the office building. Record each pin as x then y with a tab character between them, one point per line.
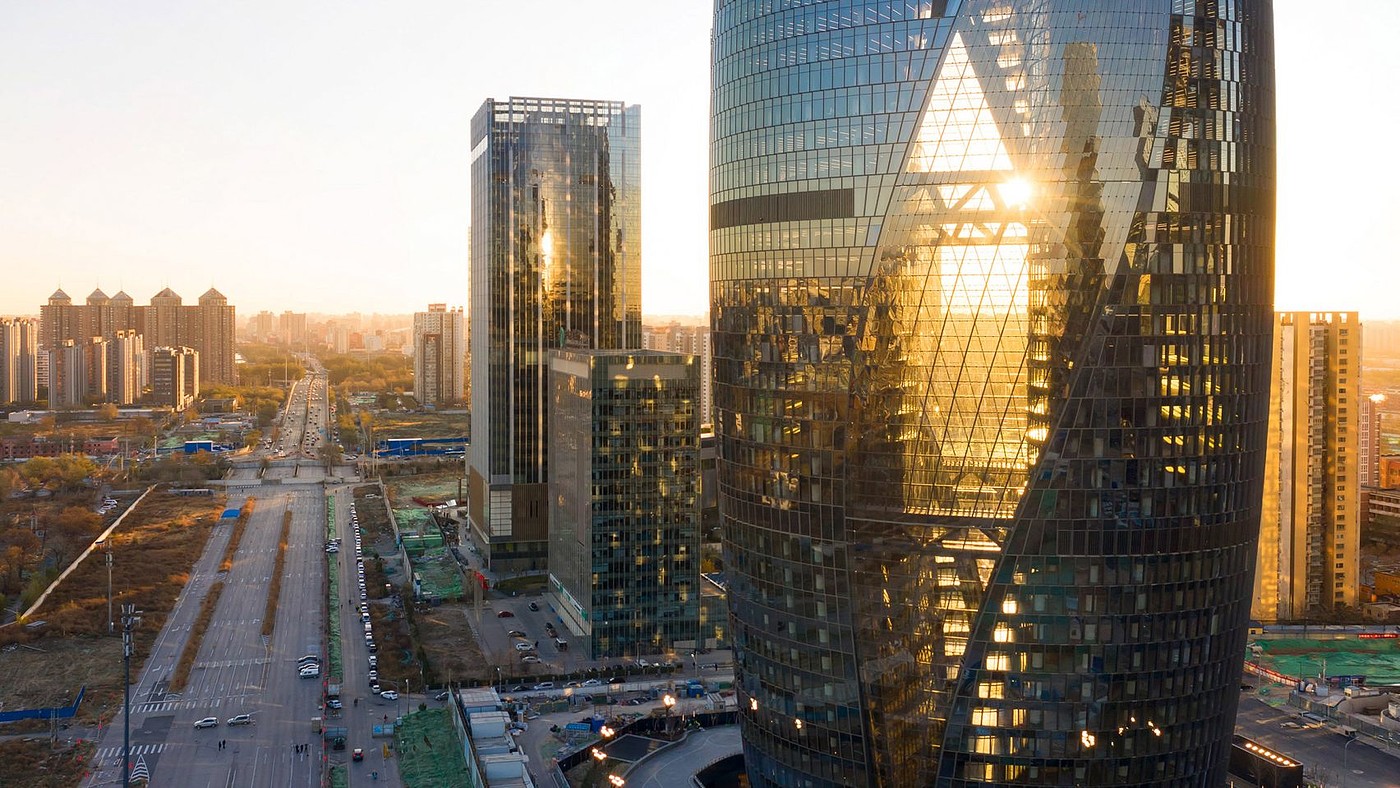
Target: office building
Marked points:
624	523
263	326
991	307
555	263
1310	531
174	376
19	380
439	356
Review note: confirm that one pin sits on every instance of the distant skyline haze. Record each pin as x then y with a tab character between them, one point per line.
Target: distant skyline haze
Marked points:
314	156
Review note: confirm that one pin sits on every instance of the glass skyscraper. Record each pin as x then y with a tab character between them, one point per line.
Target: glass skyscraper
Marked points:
555	262
992	287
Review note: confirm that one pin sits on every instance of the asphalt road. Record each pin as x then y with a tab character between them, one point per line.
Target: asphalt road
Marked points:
1317	748
237	670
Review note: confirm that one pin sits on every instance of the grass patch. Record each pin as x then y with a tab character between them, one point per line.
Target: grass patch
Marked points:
522	585
36	763
333	646
191	650
236	537
274	591
152	552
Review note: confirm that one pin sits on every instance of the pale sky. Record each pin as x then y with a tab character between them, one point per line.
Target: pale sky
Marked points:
314	155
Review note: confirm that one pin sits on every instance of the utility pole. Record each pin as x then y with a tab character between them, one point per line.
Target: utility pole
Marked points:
129	622
111	626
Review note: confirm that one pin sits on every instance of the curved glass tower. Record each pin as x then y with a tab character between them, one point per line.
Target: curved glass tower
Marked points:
992	289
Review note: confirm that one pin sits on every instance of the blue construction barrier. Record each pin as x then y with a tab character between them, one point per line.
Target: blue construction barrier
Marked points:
51	713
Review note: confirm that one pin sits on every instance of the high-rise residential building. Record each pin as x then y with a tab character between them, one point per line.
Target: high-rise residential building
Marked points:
213	326
208	327
624	523
1369	441
174	376
126	368
263	326
991	294
291	328
77	373
695	340
1310	531
555	263
19	342
439	355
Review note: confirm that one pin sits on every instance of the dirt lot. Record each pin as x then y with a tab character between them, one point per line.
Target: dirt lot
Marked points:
437	486
152	554
420	425
449	645
38	764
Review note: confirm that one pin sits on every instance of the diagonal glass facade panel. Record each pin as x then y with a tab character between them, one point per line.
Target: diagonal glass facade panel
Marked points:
991	317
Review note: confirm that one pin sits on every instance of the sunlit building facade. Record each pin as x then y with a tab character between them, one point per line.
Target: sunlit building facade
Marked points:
555	263
1310	529
439	356
991	316
19	348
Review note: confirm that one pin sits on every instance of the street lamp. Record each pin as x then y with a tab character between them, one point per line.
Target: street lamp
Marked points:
1350	742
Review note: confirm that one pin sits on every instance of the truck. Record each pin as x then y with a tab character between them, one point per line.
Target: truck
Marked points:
332	688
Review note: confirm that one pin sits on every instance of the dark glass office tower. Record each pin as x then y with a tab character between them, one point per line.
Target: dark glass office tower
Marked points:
555	262
992	288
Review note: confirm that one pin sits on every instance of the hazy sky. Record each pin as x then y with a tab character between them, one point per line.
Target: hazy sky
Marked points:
314	155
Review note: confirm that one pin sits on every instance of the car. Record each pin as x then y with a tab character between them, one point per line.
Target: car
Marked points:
332	549
592	683
524	647
572	685
515	633
544	685
241	719
207	722
374	687
374	675
334	703
364	617
617	680
441	696
312	672
535	607
519	688
505	614
530	659
373	661
357	754
309	658
389	695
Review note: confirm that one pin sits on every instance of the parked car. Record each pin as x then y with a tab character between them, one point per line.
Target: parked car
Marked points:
444	695
389	695
530	659
207	722
544	685
357	754
241	719
334	703
593	683
505	614
535	606
515	633
524	647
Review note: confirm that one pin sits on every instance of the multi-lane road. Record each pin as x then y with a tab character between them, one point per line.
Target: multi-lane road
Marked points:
238	670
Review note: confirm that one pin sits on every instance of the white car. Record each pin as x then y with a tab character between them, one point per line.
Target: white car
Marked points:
524	647
389	695
241	719
207	722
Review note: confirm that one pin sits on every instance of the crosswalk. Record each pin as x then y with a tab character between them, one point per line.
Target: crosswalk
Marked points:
115	753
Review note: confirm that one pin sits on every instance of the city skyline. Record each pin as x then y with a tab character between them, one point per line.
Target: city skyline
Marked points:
313	148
